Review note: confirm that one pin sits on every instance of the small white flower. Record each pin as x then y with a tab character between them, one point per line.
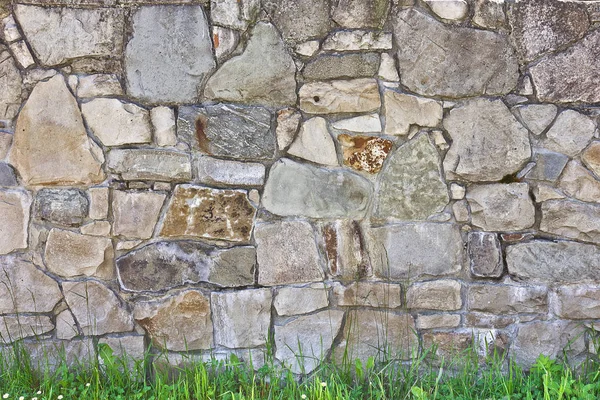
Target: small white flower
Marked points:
323	384
34	398
5	396
22	398
303	397
87	384
60	396
39	392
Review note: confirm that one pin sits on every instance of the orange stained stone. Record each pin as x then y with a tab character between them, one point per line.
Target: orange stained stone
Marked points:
365	153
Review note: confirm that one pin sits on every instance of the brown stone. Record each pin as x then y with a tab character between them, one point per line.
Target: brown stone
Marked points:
578	302
447	345
434	295
591	157
345	250
365	153
507	299
437	321
483	320
369	294
196	211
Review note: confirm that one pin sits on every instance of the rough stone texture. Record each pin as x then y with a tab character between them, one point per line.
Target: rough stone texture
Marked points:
66	327
130	348
402	111
116	123
443	295
548	165
146	164
501	207
365	153
452	62
5	143
228	172
314	143
507	299
233	13
571	219
263	74
14	208
158	68
304	342
488	143
300	300
345	250
577	302
288	121
570	133
10	81
200	212
136	213
9	31
100	311
489	14
163	121
96	228
333	66
22	54
299	20
164	265
49	355
411	186
368	294
453	10
415	249
541	261
98	208
70	254
485	255
241	319
356	40
286	253
49	123
96	85
13	328
576	181
448	345
591	157
360	13
437	321
61	206
537	117
369	123
57	35
348	96
177	323
304	190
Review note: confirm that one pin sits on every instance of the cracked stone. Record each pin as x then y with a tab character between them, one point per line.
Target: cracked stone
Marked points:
570	133
365	153
346	96
501	207
571	219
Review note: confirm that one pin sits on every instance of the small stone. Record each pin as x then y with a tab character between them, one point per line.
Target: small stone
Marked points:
577	182
314	143
10	96
127	244
571	219
241	318
507	299
537	117
300	20
287	253
543	193
288	121
591	157
147	164
402	110
199	212
453	10
7	175
548	165
107	315
178	323
457	191
387	69
233	13
350	96
360	13
501	207
254	196
485	255
345	250
489	14
570	133
22	54
333	66
163	121
443	295
66	327
13	328
365	153
62	206
308	49
136	213
294	301
5	143
368	294
225	41
228	172
98	202
98	85
14	208
526	86
358	40
96	228
9	31
439	140
437	321
577	302
362	124
162	186
461	211
70	254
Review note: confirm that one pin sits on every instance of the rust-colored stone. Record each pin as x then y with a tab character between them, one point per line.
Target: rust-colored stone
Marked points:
196	211
331	244
365	153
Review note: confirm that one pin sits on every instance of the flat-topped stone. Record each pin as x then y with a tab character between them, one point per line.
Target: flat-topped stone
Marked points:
146	164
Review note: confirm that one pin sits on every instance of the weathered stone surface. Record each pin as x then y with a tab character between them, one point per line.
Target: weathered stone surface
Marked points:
591	157
136	213
288	121
24	288
300	20
461	212
453	10
49	355
96	308
97	85
263	74
441	295
304	190
304	342
453	62
358	40
548	165
488	143
542	26
70	254
116	123
485	255
314	143
457	191
542	192
5	143
22	54
50	123
448	345
158	68
14	209
9	30
501	207
489	14
242	318
96	228
507	299
411	186
360	13
98	208
350	96
572	75
415	249
308	48
300	300
57	35
129	348
228	172
146	164
233	13
345	250
577	302
287	253
10	81
571	219
228	131
365	153
576	181
403	110
368	294
387	69
61	206
333	66
178	323
13	328
437	321
541	261
225	41
196	211
369	123
164	265
163	122
570	133
66	327
537	117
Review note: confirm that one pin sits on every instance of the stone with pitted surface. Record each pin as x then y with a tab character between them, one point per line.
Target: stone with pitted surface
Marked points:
14	208
62	206
571	219
501	207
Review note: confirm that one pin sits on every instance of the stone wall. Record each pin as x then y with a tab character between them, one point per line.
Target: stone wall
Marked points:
228	177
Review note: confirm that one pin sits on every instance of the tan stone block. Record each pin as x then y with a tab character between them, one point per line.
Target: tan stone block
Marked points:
136	213
434	295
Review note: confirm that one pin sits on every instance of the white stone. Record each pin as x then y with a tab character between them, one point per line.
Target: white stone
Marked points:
461	211
439	139
15	327
501	207
537	117
356	40
163	121
343	96
234	14
96	228
457	191
22	54
387	69
14	221
229	172
225	41
449	9
314	143
576	181
9	30
116	123
362	124
526	85
136	213
98	202
403	110
308	49
294	301
543	192
127	244
288	121
570	133
98	85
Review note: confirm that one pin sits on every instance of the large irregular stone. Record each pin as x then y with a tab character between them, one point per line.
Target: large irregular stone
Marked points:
507	299
168	62
263	74
70	254
403	110
439	60
61	206
131	349
178	323
16	327
147	164
537	117
572	75
576	181
287	253
233	13
591	157
10	81
213	171
571	219
411	186
304	190
300	300
548	165
136	213
333	66
368	294
553	262
543	26
14	209
200	212
116	123
304	342
358	40
488	143
415	249
24	288
485	255
365	153
241	318
57	35
96	308
314	143
228	131
50	144
443	295
570	133
165	265
300	20
360	13
501	207
577	302
351	96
